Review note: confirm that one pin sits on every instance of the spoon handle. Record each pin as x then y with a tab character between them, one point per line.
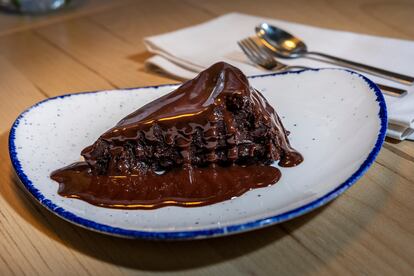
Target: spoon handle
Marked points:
392	91
388	90
404	79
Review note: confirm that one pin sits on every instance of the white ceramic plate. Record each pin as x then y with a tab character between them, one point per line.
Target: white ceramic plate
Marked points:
337	121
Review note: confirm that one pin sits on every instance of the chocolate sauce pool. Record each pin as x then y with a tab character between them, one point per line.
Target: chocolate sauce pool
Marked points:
195	120
188	186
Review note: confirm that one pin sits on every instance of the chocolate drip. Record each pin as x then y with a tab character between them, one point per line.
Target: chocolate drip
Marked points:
214	119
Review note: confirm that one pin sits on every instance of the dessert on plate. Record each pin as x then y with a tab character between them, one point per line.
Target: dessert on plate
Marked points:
213	138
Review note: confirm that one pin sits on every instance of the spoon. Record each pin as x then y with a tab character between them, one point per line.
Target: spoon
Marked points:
285	45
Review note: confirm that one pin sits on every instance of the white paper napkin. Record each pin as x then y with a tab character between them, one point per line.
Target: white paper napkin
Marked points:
186	52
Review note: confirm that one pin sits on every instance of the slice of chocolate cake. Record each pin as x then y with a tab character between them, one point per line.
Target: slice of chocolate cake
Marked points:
210	140
216	118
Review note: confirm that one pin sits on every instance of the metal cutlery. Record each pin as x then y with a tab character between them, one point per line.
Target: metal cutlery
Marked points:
261	56
285	45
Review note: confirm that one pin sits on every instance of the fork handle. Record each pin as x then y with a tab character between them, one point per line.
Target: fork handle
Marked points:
389	90
404	79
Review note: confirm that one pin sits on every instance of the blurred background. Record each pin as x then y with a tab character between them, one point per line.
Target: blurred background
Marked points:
95	44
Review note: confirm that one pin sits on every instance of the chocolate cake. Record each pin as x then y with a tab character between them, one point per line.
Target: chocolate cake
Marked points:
216	119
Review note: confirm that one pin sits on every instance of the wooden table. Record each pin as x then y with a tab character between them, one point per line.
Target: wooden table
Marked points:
98	45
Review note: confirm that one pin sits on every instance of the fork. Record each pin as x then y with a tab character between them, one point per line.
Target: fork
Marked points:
261	56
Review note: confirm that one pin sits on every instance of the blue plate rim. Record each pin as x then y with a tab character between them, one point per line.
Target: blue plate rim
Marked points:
206	233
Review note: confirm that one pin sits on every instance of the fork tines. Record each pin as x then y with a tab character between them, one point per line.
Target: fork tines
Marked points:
256	52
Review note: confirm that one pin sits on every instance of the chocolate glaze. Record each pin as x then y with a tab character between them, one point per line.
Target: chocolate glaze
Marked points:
203	134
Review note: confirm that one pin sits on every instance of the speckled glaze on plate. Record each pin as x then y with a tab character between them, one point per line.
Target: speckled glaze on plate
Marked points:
337	120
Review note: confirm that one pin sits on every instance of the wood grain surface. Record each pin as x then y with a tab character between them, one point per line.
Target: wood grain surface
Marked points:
96	45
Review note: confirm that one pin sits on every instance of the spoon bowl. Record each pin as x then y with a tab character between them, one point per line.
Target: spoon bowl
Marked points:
280	42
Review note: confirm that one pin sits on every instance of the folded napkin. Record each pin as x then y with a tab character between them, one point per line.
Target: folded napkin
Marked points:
186	52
